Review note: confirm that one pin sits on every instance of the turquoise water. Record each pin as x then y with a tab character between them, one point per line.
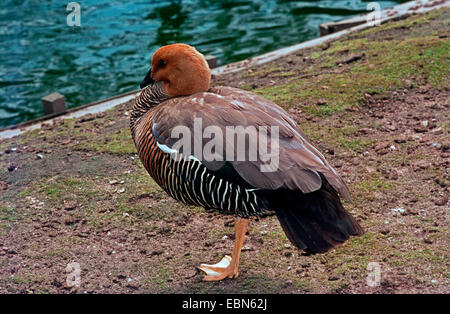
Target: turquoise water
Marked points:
110	52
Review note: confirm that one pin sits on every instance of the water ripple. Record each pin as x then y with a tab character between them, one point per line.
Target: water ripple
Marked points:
110	52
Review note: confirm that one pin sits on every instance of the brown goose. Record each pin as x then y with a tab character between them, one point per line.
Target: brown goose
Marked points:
300	186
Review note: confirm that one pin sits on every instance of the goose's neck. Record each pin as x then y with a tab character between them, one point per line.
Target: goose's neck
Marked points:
148	99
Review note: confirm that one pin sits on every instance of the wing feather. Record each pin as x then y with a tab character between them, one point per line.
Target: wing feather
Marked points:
299	162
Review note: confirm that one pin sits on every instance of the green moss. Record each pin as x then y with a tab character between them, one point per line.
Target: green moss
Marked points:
8	214
117	143
386	66
159	276
265	71
253	283
353	257
64	188
304	284
406	23
357	145
437	261
284	74
374	182
27	279
344	137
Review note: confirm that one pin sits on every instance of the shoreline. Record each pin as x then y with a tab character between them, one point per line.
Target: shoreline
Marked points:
397	12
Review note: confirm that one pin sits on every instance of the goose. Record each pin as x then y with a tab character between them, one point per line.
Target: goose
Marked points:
181	127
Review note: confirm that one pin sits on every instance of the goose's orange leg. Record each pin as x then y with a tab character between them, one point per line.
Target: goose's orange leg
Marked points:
228	266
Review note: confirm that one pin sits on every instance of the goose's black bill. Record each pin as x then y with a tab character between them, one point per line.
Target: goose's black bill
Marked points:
147	80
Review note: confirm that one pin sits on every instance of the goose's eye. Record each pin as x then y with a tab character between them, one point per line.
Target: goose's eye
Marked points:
162	63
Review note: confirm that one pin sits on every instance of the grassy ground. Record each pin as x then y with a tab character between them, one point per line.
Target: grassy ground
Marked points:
376	103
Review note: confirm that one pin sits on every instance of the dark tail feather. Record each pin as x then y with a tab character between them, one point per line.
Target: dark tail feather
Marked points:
314	222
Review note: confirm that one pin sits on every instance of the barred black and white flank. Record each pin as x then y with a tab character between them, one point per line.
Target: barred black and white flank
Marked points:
185	178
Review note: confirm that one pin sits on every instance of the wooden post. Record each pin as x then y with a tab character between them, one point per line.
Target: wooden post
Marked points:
212	61
333	27
53	103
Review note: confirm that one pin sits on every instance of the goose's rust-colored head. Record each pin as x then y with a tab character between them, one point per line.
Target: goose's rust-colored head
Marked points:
182	69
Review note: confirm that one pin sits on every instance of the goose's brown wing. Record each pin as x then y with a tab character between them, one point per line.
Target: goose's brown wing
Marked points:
299	163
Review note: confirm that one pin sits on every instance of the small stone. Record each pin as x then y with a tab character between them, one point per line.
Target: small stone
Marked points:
391	127
208	243
70	221
12	167
350	59
321	102
421	164
381	146
70	205
439	180
385	231
112	182
436	145
445	147
420	129
66	142
191	273
398	210
441	201
229	223
428	241
3	185
157	252
333	278
364	131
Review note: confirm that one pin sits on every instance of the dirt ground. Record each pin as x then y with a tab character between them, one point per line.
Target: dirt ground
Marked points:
376	103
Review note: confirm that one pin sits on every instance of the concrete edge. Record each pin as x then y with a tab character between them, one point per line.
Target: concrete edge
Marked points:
94	107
